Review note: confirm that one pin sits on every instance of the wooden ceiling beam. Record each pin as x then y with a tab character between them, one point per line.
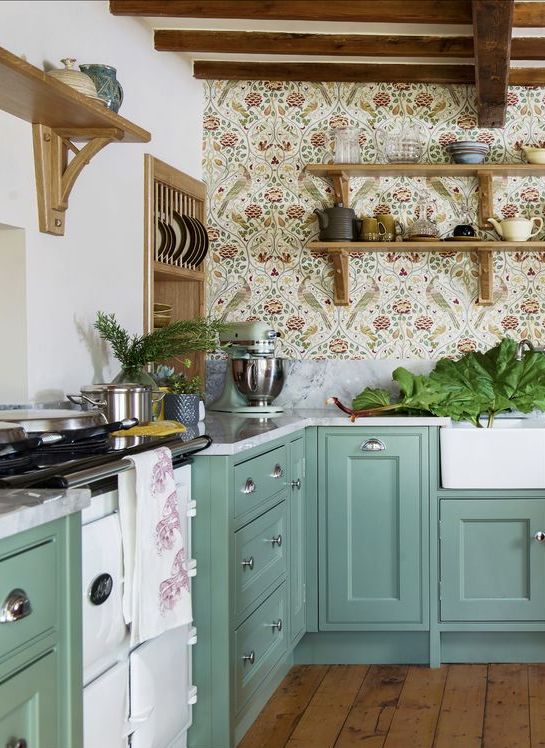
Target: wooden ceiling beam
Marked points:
270	43
528	47
332	71
529	15
492	29
527	77
364	11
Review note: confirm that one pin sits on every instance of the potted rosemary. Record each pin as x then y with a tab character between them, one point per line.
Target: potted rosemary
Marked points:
136	352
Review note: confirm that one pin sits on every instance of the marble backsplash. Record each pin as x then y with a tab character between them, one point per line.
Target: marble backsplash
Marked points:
310	382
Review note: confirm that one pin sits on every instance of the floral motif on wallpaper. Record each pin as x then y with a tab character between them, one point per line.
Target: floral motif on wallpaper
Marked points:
258	136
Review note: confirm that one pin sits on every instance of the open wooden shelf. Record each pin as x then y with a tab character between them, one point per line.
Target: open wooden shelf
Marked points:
60	117
340	174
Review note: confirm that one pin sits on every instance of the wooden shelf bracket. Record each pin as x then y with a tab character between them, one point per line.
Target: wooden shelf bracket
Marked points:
486	192
341	188
56	173
486	277
339	259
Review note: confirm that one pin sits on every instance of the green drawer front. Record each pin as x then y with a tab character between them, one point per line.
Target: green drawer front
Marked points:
260	561
34	572
258	479
258	637
28	708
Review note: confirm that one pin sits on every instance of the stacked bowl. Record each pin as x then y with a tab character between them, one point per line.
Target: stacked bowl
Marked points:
467	151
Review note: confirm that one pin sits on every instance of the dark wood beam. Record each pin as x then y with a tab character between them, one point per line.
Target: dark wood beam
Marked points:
332	71
529	15
527	77
492	28
528	47
270	43
365	11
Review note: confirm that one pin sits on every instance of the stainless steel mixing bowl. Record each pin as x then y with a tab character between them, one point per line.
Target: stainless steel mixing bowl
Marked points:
258	379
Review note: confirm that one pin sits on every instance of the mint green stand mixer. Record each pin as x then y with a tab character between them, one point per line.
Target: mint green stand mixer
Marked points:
255	376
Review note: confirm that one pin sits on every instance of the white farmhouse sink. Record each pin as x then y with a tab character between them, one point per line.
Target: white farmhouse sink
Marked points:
511	454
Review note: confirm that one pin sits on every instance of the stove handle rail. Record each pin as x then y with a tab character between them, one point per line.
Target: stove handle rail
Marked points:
72	478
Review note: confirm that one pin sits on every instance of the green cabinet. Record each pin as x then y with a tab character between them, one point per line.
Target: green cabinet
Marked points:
28	706
297	511
492	565
373	508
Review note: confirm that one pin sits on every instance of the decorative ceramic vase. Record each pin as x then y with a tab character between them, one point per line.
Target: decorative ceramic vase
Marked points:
108	87
80	82
182	408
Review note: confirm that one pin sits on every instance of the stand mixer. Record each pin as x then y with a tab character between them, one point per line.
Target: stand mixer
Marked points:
255	376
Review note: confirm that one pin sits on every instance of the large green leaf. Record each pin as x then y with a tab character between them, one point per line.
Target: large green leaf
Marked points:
371	398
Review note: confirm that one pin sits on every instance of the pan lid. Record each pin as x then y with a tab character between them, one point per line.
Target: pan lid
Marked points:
53	420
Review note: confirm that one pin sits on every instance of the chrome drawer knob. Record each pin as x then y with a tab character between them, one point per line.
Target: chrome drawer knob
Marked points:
277	471
373	445
296	483
539	536
250	658
15	607
249	486
17	743
248	563
277	625
277	541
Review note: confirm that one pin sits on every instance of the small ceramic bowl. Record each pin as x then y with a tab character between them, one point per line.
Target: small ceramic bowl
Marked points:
534	155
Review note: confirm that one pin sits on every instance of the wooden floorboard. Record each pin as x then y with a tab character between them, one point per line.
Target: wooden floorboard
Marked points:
398	706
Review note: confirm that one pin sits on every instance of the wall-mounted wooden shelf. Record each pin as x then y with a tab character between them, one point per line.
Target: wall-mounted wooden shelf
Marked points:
340	175
339	253
60	117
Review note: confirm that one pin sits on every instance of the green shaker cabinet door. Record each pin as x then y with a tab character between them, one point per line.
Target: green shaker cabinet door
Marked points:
28	709
492	567
373	509
297	539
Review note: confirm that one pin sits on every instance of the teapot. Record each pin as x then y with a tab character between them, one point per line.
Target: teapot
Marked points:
337	223
403	145
517	229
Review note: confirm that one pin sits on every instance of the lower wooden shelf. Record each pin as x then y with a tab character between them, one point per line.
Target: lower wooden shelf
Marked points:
339	253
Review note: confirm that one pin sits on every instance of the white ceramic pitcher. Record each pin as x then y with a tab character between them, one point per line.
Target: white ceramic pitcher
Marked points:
517	229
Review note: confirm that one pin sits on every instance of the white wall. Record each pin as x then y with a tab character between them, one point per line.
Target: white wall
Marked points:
98	263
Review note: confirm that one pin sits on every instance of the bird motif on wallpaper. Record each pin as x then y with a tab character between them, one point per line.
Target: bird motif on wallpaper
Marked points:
370	297
241	297
435	296
306	184
307	298
241	183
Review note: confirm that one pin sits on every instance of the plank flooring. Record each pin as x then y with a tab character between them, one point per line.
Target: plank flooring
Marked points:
399	706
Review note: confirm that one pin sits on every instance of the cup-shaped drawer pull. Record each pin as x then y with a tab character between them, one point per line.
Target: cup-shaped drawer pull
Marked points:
277	625
249	486
277	472
15	607
276	540
539	536
249	658
373	445
17	743
248	563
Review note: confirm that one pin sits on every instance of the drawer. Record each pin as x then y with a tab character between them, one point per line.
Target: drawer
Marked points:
260	556
32	573
259	643
258	479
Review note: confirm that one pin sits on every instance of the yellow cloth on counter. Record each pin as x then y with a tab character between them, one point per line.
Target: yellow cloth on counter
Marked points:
156	428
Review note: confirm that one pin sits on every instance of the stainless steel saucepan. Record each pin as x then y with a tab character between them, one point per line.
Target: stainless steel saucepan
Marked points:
120	401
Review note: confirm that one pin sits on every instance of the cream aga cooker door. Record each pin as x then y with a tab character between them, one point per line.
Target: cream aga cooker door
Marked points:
106	709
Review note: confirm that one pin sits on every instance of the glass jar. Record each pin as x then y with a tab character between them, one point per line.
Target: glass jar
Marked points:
347	146
424	227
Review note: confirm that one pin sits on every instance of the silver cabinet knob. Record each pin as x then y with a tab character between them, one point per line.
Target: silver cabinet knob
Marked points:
16	743
249	486
373	445
296	483
277	471
249	658
15	607
248	563
539	536
277	625
276	541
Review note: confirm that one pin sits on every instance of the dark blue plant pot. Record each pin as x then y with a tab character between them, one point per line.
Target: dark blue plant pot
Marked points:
108	87
182	408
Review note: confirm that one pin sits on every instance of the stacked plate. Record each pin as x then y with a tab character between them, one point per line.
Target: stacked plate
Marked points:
181	240
467	151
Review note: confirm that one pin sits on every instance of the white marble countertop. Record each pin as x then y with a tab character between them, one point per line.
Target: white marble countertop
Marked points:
24	508
235	433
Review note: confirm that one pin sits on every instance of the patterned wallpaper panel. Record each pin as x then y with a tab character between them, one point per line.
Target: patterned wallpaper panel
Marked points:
258	137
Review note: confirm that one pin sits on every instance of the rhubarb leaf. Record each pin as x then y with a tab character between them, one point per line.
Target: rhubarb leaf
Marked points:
372	398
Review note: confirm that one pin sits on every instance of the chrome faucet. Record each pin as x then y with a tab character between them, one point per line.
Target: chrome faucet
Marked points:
526	344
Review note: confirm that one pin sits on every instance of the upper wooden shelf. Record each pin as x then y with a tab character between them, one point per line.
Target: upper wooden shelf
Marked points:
427	170
28	93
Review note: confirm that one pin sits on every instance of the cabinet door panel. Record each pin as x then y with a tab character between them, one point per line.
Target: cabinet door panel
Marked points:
372	511
297	539
492	569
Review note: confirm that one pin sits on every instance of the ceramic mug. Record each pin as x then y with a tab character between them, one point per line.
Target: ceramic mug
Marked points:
386	227
369	229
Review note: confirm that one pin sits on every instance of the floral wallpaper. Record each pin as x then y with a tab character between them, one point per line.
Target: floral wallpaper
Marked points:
258	136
